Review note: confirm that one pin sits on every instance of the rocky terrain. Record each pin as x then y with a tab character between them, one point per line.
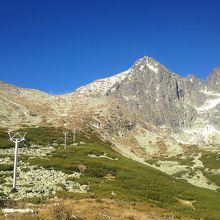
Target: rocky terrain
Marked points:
146	112
34	181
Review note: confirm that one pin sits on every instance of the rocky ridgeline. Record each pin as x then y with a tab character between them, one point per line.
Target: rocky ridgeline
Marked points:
9	88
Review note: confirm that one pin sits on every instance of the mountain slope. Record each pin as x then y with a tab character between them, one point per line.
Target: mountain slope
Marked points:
90	168
145	112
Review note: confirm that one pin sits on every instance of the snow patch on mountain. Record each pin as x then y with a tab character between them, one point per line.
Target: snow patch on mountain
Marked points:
210	93
209	104
213	99
153	67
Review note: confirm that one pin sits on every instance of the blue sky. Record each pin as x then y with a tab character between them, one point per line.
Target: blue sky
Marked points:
59	45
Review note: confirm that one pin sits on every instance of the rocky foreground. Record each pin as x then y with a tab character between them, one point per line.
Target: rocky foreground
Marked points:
34	181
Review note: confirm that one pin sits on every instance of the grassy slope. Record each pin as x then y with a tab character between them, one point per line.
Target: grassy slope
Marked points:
134	182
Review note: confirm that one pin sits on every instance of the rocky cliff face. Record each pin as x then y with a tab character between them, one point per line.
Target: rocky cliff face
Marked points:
183	106
148	97
157	95
214	80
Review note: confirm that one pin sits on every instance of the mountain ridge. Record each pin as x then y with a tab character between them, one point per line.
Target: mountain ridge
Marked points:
215	70
148	91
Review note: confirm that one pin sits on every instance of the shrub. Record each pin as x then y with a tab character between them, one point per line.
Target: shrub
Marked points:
60	212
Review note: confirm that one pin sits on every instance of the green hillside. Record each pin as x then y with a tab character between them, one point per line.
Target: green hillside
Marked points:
115	176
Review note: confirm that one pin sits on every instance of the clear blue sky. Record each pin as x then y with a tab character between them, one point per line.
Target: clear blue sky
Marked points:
59	45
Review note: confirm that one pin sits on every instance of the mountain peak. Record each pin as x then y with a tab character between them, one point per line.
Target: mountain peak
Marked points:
146	60
216	70
214	80
146	63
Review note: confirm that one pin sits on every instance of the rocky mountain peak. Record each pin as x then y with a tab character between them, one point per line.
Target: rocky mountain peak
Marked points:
146	66
217	70
146	59
214	80
146	63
